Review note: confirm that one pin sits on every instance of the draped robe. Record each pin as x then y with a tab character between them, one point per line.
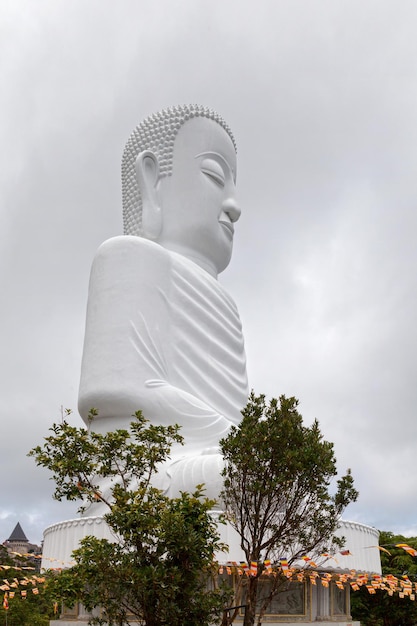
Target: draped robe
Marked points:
162	336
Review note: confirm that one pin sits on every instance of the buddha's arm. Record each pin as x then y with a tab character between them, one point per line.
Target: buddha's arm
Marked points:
161	403
127	345
201	425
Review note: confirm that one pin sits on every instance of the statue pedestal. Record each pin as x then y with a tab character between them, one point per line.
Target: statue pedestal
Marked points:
62	538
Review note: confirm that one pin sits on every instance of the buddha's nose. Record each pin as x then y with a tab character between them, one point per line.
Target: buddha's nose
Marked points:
232	209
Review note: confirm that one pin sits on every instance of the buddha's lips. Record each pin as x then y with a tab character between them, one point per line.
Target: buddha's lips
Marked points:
229	226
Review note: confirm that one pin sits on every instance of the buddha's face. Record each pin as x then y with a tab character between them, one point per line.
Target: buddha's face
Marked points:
198	200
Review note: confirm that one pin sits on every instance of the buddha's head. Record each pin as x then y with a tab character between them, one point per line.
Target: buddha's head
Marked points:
179	184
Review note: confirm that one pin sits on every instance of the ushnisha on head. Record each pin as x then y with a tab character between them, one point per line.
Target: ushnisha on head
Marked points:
178	180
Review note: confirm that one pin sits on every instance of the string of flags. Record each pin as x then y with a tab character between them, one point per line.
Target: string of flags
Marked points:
404	546
12	587
372	582
308	560
37	556
22	582
251	569
407	548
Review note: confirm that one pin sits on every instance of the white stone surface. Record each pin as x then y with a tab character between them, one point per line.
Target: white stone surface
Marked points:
162	335
59	540
362	541
62	538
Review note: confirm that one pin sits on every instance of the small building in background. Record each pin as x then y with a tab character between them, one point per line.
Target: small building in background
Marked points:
18	546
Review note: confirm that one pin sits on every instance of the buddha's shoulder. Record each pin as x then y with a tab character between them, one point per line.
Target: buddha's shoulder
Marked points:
128	250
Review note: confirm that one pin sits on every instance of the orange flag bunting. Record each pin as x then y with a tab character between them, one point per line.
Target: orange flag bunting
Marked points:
5	602
407	548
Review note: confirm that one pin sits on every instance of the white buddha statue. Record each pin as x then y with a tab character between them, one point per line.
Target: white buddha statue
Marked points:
162	335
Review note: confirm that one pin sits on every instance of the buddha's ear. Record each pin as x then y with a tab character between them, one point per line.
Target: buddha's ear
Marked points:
147	176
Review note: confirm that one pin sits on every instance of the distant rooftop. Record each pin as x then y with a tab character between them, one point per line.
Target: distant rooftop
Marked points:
18	534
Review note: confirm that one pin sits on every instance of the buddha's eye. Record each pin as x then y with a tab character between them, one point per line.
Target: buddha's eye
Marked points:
213	170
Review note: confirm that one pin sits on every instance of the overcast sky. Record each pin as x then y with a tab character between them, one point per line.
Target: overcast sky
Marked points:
322	98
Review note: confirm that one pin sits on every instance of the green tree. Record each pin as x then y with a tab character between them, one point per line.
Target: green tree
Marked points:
276	491
160	566
381	609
